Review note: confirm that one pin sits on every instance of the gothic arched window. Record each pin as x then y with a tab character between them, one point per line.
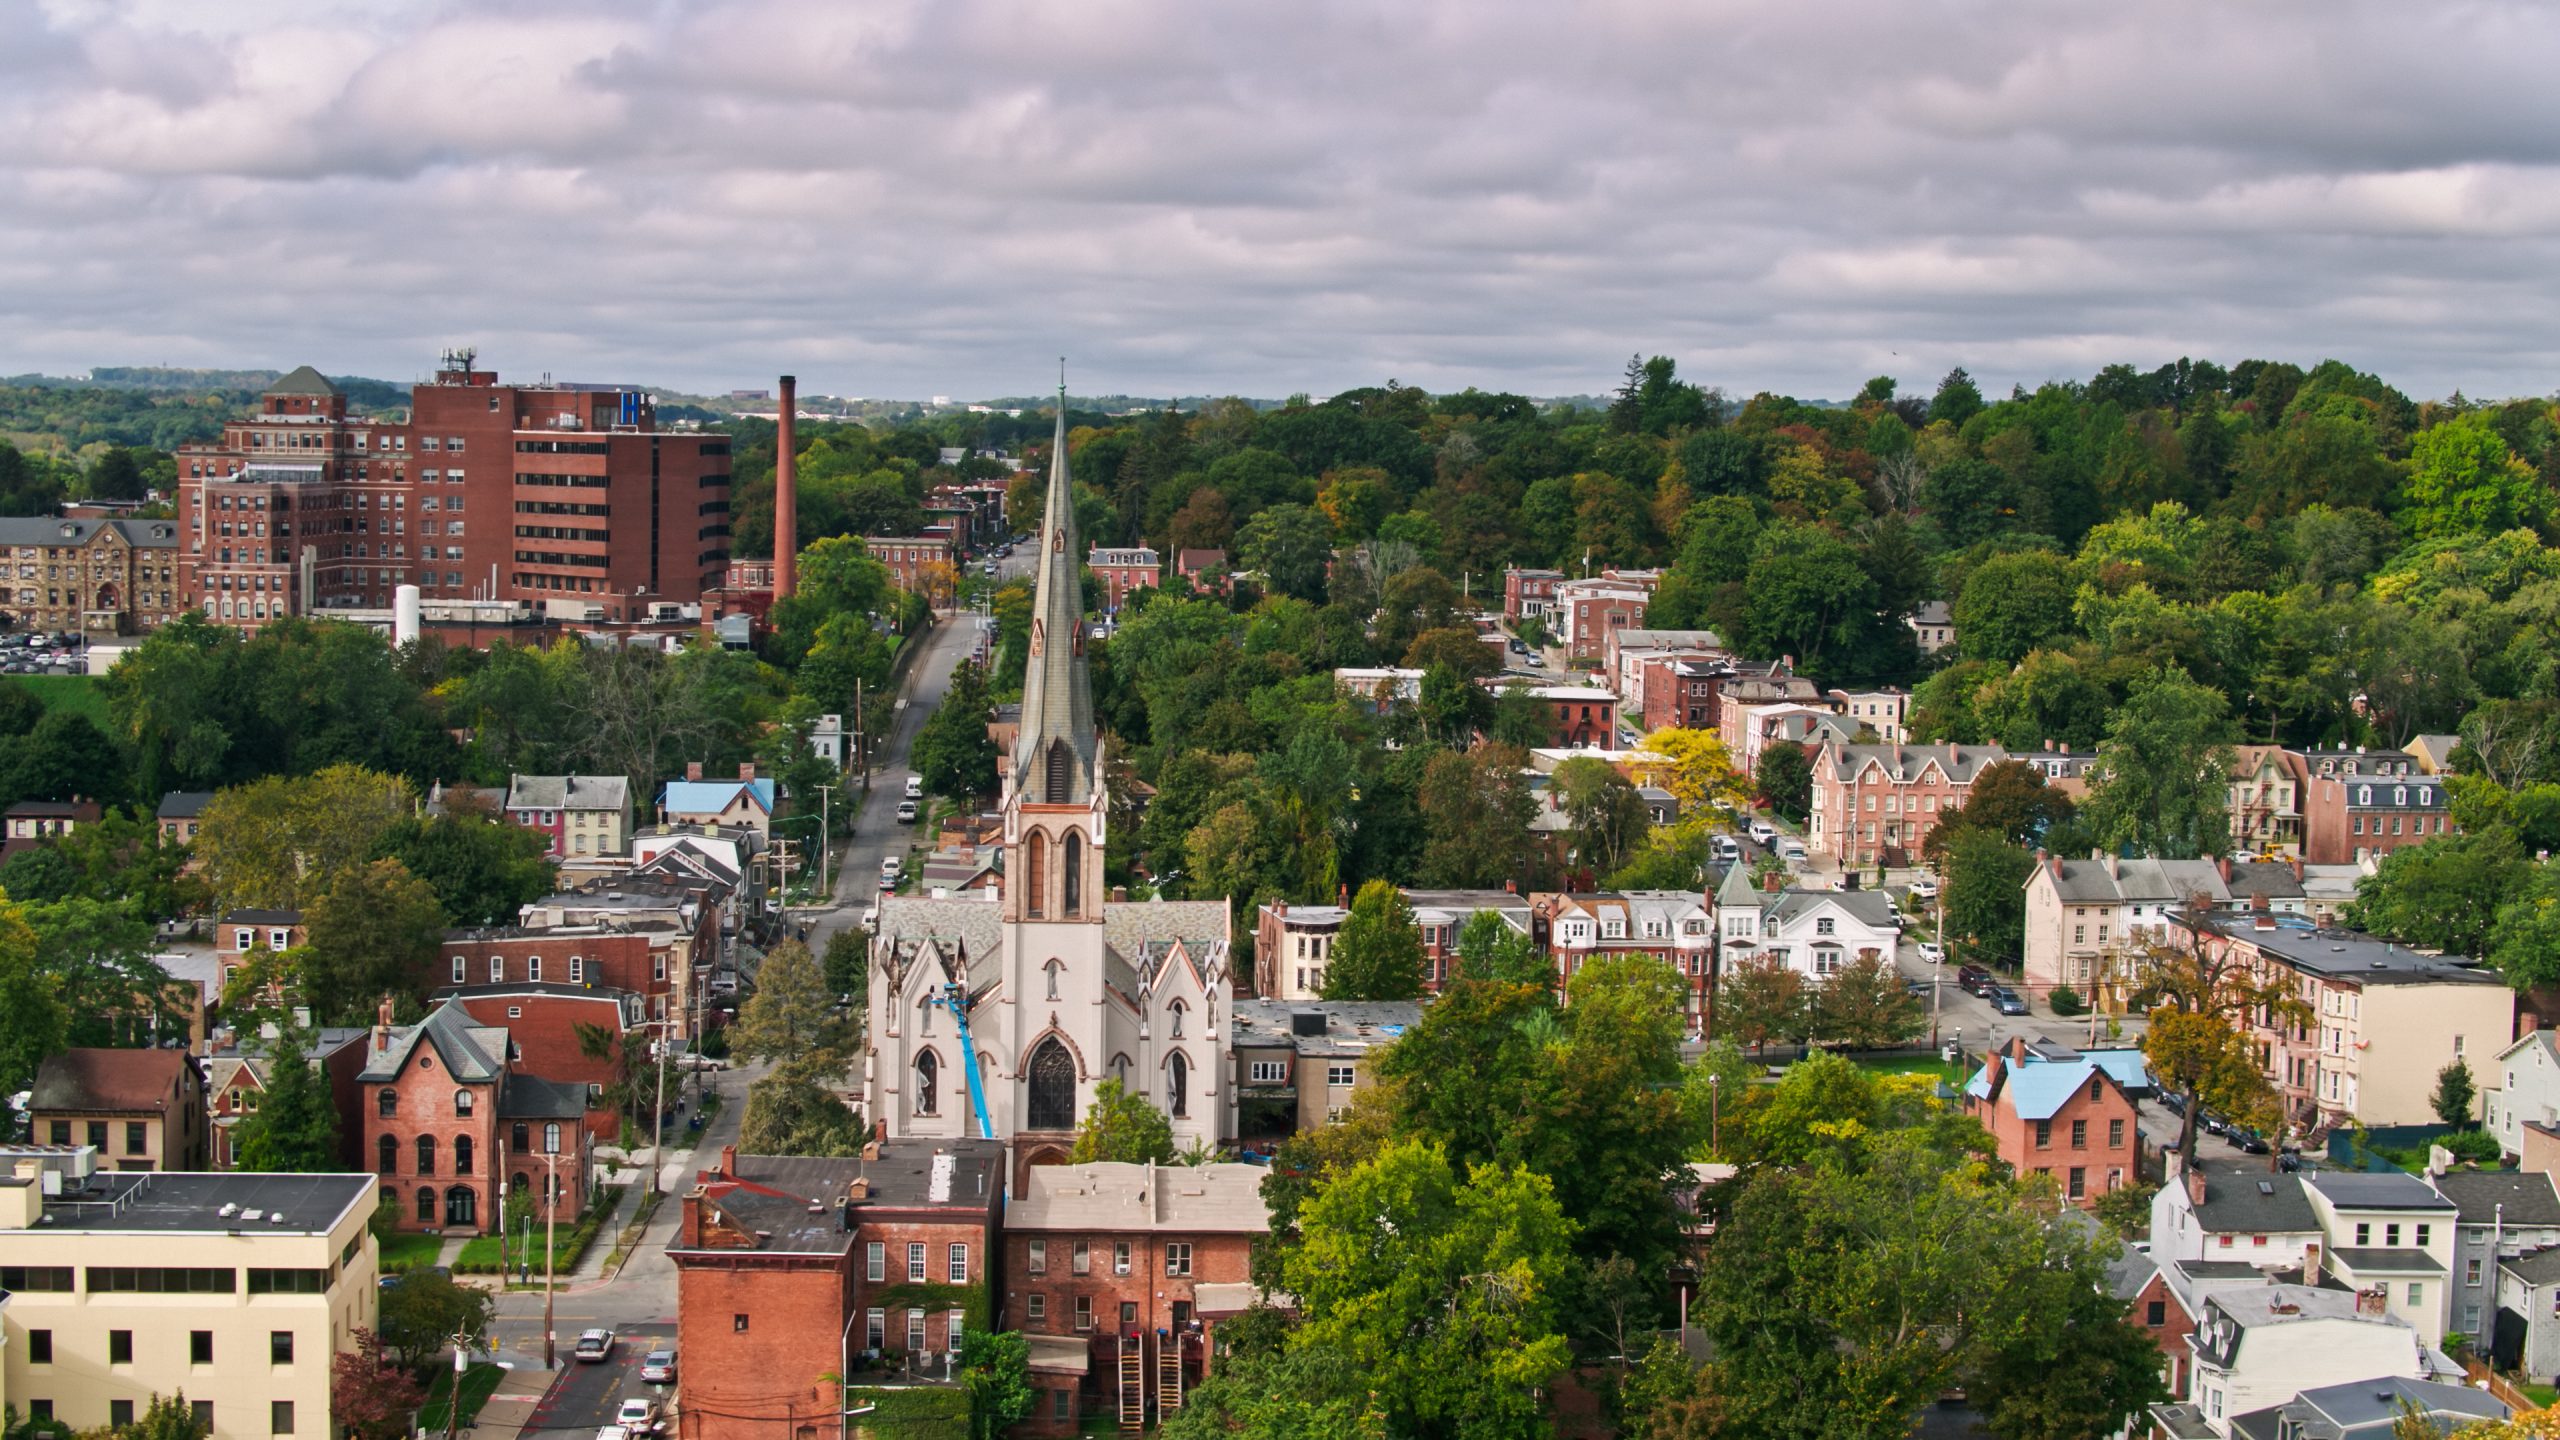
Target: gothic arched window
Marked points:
1053	1087
928	1082
1175	1011
1054	969
1071	876
1035	878
1178	1081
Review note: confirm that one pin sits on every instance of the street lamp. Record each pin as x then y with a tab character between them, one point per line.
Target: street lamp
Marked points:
1715	1112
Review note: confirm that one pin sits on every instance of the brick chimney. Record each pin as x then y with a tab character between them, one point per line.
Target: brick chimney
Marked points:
786	494
2195	1185
693	769
382	1025
2311	1263
746	769
2222	864
729	1160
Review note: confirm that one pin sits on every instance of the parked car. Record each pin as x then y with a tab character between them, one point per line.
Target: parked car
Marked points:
1936	954
1791	850
2249	1141
1919	989
1924	889
659	1367
2171	1101
594	1346
1725	848
1974	980
915	787
696	1060
2008	1001
906	812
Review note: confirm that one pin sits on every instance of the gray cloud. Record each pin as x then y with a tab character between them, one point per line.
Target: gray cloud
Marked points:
908	198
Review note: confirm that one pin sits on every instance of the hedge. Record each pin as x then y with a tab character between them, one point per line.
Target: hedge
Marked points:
909	1412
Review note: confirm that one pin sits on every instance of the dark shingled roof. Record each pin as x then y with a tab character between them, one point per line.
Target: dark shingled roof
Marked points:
303	381
2389	1262
2542	1267
106	1080
530	1097
2516	1196
2363	1190
2245	1197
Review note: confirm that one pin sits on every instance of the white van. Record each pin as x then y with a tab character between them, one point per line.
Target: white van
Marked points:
1791	850
1763	833
1725	848
915	787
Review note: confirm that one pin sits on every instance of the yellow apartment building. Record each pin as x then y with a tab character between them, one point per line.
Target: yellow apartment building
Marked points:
236	1289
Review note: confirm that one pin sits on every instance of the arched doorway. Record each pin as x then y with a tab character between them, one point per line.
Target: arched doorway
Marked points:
1053	1087
461	1206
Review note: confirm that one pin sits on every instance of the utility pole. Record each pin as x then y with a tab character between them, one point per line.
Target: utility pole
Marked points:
550	1249
1938	972
861	737
453	1397
826	830
658	1137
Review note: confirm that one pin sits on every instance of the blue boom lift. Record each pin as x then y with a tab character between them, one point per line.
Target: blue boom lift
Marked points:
955	998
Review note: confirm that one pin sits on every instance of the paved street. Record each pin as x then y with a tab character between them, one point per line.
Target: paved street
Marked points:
877	832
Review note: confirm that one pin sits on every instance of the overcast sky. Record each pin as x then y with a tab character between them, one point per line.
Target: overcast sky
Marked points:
916	197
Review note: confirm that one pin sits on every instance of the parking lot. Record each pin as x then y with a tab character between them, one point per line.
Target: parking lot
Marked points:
586	1396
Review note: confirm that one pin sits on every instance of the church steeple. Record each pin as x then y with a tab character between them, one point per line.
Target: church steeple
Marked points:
1053	753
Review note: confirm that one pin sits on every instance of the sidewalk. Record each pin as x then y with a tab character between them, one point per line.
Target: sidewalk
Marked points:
504	1414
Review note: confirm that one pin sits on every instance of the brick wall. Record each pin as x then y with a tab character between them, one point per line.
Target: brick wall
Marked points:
426	1106
756	1333
544	1029
1215	1259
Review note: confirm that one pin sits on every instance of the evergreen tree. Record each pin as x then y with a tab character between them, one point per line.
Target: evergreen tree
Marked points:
295	1127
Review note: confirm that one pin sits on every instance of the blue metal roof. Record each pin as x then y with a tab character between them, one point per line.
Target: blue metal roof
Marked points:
710	797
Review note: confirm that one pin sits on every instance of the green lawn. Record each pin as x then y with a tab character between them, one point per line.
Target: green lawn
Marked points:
2542	1395
406	1251
78	694
477	1384
480	1254
1916	1065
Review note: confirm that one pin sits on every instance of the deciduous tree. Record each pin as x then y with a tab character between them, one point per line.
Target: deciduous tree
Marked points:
2164	771
1378	954
377	930
1120	1125
1444	1292
1761	1000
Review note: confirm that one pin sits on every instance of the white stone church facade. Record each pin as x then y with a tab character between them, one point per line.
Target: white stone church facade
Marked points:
1066	987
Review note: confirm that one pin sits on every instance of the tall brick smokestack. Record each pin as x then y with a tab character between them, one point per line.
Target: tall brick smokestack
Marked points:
786	496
